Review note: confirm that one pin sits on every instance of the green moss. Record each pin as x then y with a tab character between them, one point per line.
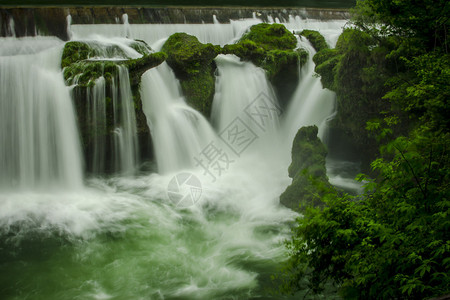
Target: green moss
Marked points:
277	60
271	37
141	47
308	152
326	61
247	50
193	64
85	72
197	89
316	39
74	52
307	170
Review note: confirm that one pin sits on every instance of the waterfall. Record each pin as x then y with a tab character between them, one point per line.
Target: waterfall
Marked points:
39	145
179	132
242	90
114	138
310	104
79	241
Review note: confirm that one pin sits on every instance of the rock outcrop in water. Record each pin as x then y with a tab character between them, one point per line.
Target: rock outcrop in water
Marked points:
307	170
83	70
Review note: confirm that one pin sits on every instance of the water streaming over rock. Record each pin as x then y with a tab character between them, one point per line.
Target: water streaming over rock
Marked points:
115	151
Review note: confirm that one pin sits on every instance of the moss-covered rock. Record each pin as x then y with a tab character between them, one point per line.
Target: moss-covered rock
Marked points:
316	39
326	60
308	171
271	37
85	73
193	64
271	47
74	52
78	69
357	70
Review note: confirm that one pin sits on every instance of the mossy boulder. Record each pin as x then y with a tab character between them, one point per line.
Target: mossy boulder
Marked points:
74	52
272	47
326	60
316	39
193	64
84	73
271	37
308	171
357	70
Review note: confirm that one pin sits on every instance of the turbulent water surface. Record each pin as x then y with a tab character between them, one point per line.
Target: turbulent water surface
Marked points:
178	230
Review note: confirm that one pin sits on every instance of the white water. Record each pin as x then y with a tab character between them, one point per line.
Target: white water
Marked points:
242	90
38	138
96	109
179	131
311	104
125	132
122	237
219	34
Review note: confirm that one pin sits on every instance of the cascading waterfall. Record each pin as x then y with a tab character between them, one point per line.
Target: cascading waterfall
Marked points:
311	104
242	90
39	145
178	131
121	236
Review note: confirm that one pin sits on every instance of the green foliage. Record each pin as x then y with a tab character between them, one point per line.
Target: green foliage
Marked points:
427	20
425	95
316	39
392	242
